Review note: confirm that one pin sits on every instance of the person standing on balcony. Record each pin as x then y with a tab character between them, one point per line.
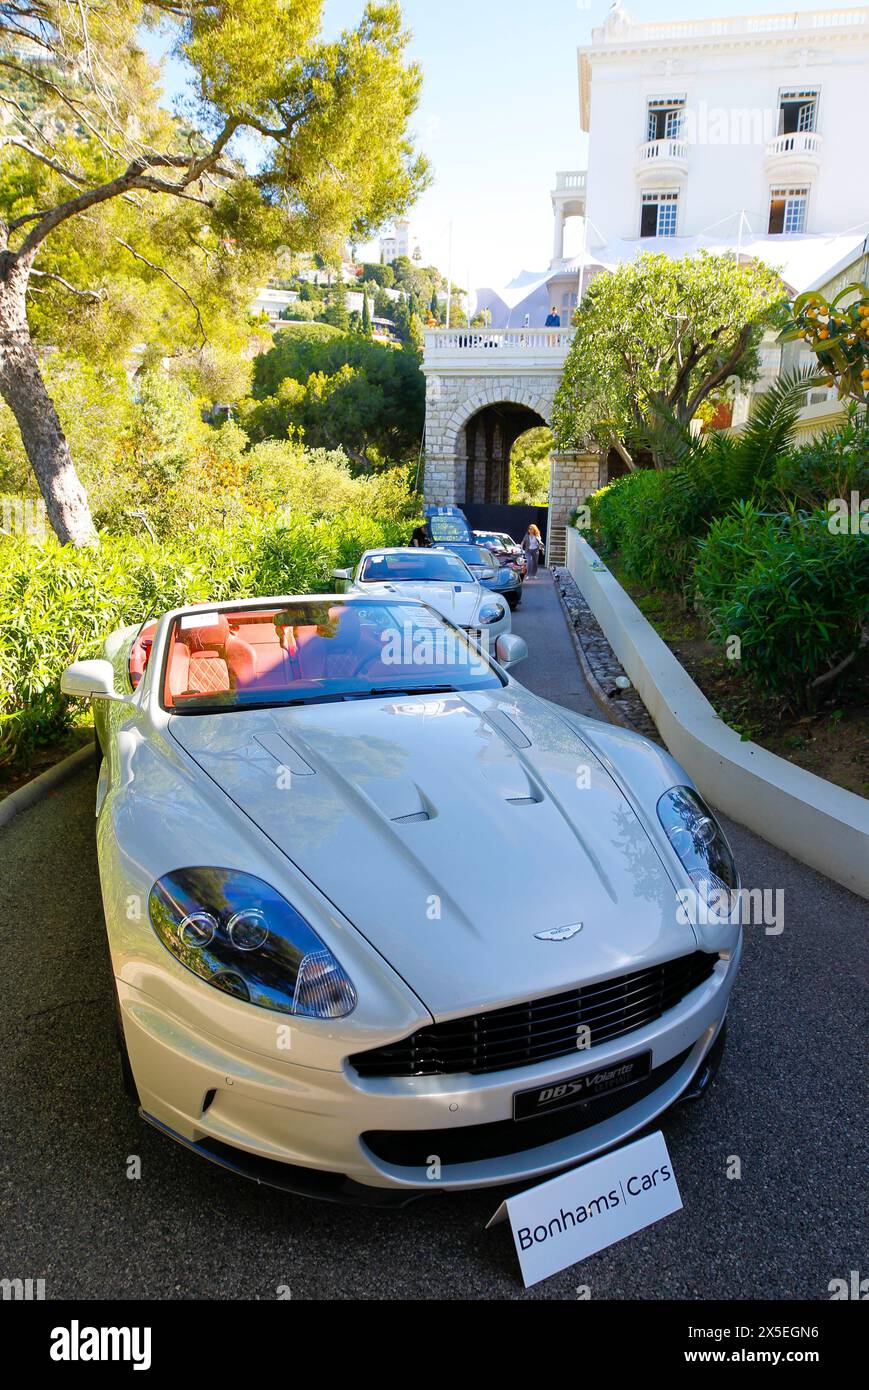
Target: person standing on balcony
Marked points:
554	319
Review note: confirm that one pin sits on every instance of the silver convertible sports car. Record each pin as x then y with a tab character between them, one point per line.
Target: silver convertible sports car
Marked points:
437	578
383	922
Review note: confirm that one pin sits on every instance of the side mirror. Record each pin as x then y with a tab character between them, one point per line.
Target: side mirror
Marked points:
90	680
510	650
343	578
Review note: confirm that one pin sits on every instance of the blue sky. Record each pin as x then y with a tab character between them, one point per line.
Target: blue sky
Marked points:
500	114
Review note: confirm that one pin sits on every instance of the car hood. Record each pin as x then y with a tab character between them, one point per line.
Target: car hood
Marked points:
450	831
458	602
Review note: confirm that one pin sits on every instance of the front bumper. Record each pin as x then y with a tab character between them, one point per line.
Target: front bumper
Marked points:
333	1132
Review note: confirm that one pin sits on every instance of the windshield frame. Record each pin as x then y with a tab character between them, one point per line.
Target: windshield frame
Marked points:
378	690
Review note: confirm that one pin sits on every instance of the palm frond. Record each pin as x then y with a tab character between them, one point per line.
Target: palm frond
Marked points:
669	440
770	429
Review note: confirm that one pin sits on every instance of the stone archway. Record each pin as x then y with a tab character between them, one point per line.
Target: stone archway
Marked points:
483	380
479	432
485	442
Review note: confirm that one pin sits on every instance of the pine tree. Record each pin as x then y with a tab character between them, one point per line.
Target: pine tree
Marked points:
337	313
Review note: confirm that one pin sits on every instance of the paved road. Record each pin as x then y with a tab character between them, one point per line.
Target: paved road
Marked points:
787	1103
552	670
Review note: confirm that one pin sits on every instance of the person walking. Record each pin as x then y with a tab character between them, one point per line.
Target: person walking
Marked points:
532	544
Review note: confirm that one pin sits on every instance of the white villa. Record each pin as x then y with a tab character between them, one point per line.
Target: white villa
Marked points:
743	134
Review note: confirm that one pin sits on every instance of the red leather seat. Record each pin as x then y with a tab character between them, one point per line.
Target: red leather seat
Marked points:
219	658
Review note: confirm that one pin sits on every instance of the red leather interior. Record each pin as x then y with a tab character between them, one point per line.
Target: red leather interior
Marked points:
251	651
140	654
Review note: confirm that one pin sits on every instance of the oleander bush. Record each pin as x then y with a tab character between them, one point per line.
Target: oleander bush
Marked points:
795	593
833	465
57	603
655	517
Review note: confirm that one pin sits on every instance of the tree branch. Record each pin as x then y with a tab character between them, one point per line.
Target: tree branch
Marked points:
161	270
73	289
722	373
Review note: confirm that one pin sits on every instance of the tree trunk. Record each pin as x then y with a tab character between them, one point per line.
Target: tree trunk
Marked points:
23	390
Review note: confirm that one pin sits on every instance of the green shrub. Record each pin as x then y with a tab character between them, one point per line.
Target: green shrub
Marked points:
614	507
835	464
656	523
794	593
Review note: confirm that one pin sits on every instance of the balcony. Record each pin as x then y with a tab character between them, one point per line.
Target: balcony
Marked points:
667	157
794	157
496	349
570	182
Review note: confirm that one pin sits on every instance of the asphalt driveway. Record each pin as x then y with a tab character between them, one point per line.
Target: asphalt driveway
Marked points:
789	1103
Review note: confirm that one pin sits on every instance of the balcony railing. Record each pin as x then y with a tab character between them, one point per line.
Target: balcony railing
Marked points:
799	144
572	181
737	25
671	152
500	346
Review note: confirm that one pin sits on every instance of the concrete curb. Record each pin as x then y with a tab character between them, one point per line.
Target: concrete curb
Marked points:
48	781
817	822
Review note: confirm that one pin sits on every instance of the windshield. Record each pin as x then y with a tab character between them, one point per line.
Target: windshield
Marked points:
311	651
489	539
415	566
474	555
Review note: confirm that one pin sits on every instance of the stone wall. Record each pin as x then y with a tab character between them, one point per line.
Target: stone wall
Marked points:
572	478
452	399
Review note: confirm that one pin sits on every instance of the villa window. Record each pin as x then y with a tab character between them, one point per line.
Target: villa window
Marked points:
658	214
787	211
664	118
798	110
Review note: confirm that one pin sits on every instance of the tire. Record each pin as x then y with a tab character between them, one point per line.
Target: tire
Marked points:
514	602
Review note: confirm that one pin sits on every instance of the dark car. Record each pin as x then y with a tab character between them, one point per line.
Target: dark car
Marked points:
501	579
505	550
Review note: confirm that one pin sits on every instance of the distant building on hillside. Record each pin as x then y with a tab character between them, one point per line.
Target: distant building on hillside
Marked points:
401	241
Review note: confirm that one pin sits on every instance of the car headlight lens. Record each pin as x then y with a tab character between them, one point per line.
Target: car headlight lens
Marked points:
239	935
490	613
701	845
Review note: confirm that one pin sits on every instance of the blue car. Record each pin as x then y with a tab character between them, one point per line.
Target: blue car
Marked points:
485	568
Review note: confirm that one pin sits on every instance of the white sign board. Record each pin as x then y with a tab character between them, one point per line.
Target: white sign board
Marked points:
572	1216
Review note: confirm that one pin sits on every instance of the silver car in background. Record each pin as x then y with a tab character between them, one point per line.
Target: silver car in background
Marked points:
438	578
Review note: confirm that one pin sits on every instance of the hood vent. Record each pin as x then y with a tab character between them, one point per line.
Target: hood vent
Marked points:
523	800
411	820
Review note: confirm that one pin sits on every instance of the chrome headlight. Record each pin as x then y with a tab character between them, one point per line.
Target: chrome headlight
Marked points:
490	613
238	934
701	846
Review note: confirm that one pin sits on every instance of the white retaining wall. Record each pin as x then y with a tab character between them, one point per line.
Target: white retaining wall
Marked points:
817	822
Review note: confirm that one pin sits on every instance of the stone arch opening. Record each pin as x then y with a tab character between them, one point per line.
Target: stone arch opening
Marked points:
531	467
483	447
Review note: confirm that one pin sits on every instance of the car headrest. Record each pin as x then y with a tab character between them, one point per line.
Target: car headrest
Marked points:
203	639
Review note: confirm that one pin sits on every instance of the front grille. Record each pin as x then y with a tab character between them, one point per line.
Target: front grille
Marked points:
542	1029
475	1143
